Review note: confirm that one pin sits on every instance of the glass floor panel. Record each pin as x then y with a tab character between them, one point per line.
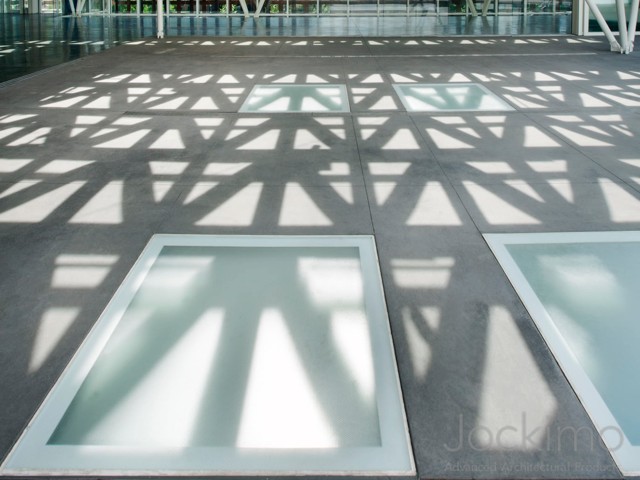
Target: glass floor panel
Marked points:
297	98
231	355
449	97
581	290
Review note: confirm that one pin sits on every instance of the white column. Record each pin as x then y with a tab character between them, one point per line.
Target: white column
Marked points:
160	19
622	26
245	10
633	20
578	17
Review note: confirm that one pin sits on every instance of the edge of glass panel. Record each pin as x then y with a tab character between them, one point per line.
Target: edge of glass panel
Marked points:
398	87
344	97
31	444
626	456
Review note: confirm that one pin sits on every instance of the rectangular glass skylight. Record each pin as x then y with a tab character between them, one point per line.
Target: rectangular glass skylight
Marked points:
231	355
449	97
581	290
296	98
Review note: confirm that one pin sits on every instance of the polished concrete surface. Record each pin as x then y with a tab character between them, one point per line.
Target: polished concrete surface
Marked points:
147	138
30	43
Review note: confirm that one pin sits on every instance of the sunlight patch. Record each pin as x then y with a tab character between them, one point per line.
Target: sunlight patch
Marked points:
63	166
169	140
403	139
434	208
238	210
39	208
105	207
299	209
496	210
53	326
18	187
125	141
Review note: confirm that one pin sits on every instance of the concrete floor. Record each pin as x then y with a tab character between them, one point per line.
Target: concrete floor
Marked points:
146	138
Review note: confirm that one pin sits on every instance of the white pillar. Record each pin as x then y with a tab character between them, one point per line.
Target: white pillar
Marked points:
485	7
160	19
622	26
578	17
633	20
245	10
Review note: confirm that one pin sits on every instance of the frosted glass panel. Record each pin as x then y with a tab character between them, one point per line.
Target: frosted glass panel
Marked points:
261	348
297	98
450	97
231	355
591	293
582	291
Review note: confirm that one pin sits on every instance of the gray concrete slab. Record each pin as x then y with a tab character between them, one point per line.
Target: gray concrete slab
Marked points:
85	184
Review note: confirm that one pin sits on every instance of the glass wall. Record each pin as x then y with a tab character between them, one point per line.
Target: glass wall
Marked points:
337	8
124	6
181	6
51	6
11	6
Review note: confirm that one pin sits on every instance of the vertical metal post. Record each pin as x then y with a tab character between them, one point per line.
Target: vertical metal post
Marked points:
160	18
622	26
633	20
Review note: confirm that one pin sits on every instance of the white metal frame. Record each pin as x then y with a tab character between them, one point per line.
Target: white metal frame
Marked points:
626	456
32	456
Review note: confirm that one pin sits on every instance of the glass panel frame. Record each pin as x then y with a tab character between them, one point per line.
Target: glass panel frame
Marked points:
412	103
308	98
35	455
